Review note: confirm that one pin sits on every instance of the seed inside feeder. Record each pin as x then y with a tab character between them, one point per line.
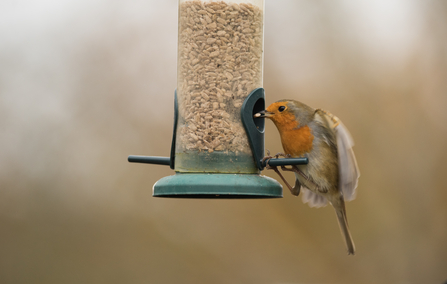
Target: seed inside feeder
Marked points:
219	64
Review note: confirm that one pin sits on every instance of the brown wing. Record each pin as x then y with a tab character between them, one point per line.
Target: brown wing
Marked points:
348	169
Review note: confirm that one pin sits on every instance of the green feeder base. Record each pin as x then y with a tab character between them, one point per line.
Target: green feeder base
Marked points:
204	185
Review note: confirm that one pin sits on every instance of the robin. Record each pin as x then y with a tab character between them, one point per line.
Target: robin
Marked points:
332	173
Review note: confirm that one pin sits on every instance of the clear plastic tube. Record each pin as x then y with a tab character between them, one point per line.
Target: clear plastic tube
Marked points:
220	61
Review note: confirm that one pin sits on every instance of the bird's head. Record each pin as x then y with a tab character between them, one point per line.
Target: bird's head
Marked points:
288	113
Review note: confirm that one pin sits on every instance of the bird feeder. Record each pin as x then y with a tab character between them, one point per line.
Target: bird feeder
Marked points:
218	146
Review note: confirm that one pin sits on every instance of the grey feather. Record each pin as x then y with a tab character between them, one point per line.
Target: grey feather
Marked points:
349	172
313	199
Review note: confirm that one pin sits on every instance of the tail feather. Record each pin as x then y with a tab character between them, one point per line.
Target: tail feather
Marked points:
343	222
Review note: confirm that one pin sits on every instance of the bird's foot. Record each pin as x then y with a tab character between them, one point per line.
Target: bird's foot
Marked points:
282	155
284	168
294	190
266	159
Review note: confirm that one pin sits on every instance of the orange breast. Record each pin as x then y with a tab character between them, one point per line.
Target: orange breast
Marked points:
296	142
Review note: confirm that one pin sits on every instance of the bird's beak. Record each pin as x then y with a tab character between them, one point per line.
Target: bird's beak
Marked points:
263	114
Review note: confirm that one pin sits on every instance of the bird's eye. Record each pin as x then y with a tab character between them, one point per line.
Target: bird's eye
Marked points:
281	108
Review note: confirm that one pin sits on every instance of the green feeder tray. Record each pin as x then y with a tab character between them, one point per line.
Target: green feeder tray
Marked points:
211	185
224	185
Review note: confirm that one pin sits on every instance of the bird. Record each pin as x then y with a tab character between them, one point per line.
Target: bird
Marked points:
331	175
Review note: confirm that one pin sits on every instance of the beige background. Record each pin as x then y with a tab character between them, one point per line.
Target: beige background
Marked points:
83	84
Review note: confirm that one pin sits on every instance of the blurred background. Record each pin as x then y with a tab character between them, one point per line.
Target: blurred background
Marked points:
84	84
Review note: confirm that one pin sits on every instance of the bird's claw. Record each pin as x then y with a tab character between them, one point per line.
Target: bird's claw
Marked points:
282	155
294	190
276	156
266	159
